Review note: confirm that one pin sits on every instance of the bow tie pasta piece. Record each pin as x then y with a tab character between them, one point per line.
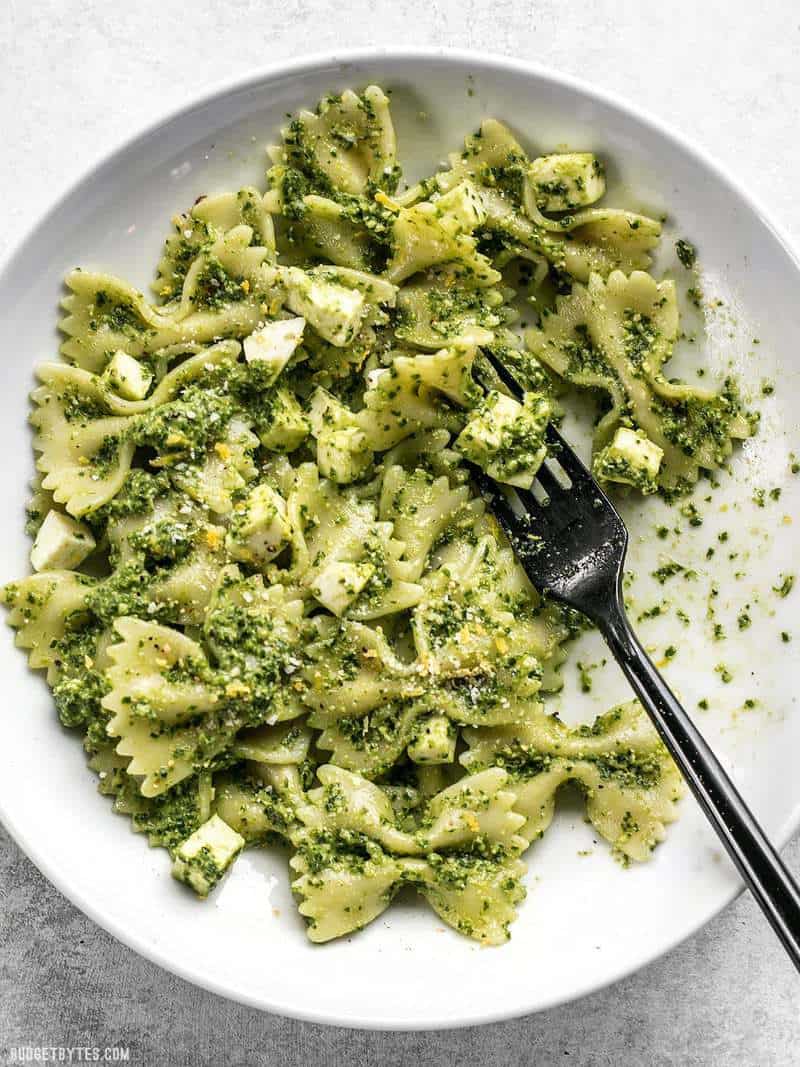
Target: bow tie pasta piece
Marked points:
422	508
446	307
371	706
167	819
509	186
325	522
84	437
448	371
260	801
399	400
347	145
595	240
202	436
616	336
475	808
182	594
492	158
477	893
346	801
352	670
375	289
283	743
200	363
468	625
51	612
231	274
196	231
84	455
355	234
329	177
344	881
407	397
603	240
227	291
630	784
166	711
433	232
352	858
255	633
370	744
42	607
224	473
342	555
166	555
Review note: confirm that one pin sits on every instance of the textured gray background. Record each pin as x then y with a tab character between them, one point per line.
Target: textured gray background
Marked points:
76	76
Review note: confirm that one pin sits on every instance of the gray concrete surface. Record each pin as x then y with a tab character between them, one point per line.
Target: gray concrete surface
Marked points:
75	77
727	996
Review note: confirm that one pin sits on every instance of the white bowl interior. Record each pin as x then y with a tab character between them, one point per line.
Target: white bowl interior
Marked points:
586	920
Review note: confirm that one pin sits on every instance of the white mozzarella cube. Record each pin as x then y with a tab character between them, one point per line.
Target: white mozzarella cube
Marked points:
435	741
274	344
343	455
333	310
129	378
260	528
461	210
631	459
202	859
62	543
288	426
638	450
338	584
506	438
567	180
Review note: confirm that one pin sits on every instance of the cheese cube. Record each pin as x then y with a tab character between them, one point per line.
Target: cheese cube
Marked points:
461	210
127	376
272	346
202	859
325	412
343	455
288	426
62	543
338	584
435	741
259	528
506	438
334	311
631	458
567	180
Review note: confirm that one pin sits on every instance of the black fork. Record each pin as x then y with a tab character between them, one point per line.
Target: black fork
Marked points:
572	543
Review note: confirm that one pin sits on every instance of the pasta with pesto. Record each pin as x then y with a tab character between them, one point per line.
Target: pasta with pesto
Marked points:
266	591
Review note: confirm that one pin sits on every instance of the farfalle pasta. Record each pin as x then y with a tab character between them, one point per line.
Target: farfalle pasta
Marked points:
266	590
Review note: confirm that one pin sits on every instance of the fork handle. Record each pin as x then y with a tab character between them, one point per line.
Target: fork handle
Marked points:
759	864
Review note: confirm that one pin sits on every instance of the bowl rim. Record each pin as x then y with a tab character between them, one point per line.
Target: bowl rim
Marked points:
106	160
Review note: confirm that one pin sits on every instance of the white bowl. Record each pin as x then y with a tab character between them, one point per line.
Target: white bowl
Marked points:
586	921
